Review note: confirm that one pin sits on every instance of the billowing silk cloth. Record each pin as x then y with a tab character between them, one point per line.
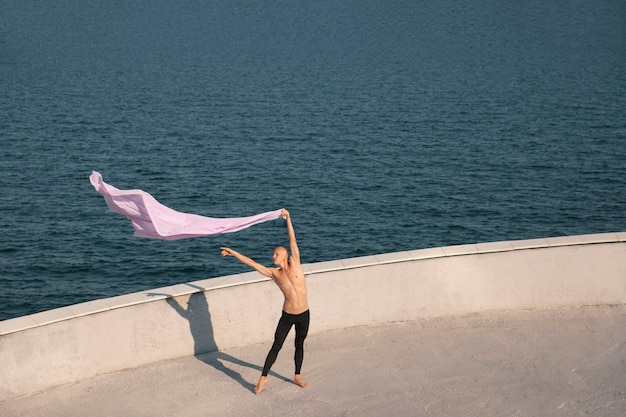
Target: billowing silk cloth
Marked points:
152	219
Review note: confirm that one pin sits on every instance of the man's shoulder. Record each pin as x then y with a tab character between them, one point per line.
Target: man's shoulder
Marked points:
295	265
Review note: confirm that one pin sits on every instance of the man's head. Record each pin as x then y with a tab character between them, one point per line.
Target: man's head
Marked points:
280	255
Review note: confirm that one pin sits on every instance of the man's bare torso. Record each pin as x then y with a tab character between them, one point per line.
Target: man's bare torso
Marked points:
293	286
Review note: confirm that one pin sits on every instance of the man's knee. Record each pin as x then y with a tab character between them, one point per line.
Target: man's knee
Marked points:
299	343
277	345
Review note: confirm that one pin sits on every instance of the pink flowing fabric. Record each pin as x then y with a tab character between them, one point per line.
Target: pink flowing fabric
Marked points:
152	219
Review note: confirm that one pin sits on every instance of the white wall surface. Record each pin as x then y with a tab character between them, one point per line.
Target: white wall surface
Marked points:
76	342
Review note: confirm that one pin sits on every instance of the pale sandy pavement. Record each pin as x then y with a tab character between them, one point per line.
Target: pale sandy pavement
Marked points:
559	362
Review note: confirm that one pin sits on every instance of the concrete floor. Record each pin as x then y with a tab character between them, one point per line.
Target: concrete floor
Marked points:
558	362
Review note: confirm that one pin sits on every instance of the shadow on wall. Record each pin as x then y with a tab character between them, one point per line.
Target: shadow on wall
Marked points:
206	350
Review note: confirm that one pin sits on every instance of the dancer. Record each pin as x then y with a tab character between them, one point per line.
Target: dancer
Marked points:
289	277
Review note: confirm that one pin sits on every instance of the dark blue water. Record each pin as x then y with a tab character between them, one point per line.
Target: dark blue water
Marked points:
382	125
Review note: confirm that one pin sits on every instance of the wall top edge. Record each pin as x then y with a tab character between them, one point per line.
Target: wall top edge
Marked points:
92	307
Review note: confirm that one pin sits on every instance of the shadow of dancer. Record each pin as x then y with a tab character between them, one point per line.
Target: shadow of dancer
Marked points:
206	350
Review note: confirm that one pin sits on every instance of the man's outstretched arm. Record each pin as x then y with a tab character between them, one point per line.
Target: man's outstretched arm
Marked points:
293	244
262	269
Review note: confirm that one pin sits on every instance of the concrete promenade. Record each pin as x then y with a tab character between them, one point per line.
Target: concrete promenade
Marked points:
551	362
531	327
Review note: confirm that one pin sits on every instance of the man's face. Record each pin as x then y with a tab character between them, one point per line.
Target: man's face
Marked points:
280	255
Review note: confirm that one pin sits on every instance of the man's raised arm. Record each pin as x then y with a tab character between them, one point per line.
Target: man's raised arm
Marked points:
262	269
293	244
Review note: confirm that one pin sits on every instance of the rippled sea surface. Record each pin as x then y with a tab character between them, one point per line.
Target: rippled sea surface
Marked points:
381	125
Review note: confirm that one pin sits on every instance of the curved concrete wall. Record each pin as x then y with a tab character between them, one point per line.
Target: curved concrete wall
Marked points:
80	341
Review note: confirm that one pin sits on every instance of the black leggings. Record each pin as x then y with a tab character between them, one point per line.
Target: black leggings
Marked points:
287	320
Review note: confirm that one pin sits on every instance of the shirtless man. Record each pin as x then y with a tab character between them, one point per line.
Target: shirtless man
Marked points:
290	280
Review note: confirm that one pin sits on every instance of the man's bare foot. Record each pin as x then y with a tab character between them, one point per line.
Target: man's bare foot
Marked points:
260	384
300	382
